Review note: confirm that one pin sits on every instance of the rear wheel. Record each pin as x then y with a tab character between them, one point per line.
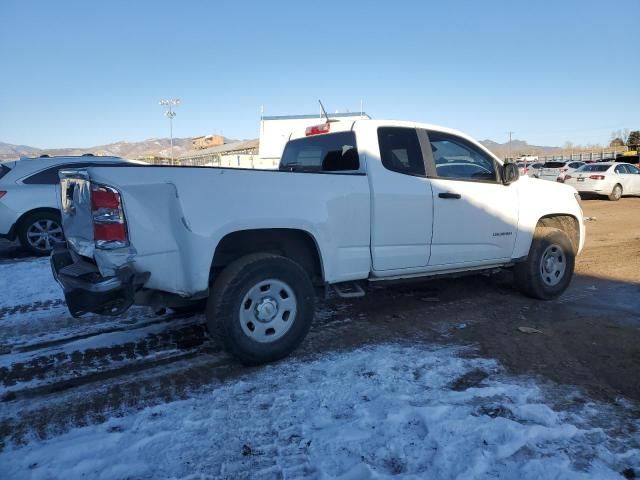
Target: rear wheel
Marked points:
616	193
547	272
261	307
39	231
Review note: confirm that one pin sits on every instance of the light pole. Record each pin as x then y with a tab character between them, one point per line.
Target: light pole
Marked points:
510	133
170	114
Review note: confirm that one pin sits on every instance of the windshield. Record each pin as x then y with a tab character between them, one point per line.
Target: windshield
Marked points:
554	165
594	168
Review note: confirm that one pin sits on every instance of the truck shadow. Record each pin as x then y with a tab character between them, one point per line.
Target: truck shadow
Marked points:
589	337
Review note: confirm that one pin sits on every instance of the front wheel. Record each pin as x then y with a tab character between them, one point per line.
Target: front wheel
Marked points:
547	272
261	308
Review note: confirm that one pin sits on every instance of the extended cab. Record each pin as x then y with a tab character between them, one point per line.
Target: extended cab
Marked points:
354	201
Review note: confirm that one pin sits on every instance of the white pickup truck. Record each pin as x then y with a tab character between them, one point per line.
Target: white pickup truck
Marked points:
356	201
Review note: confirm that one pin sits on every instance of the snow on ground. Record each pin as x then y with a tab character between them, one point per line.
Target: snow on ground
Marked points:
371	413
27	281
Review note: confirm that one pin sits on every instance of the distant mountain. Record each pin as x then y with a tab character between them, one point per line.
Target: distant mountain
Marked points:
132	150
7	150
161	147
517	147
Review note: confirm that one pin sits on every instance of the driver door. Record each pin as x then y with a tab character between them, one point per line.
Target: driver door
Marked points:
475	214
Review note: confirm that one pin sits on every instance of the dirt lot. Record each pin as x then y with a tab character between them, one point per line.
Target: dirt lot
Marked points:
57	372
591	336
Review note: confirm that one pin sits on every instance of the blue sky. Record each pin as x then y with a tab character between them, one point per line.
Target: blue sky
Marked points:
86	73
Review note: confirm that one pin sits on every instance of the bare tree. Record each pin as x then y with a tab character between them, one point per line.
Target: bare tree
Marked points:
622	134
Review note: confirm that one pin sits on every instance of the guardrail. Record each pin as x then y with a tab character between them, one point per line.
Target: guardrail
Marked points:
610	153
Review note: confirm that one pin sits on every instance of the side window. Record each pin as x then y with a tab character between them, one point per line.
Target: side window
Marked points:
621	169
332	152
44	177
50	175
458	159
400	150
633	169
4	170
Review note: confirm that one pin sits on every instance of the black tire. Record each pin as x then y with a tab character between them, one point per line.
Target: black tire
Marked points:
224	315
27	225
532	278
616	193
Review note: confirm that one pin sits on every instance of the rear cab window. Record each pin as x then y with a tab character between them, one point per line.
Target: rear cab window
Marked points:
332	152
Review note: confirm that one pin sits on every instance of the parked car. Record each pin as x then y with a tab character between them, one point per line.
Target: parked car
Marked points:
427	202
529	169
29	198
632	159
612	179
556	171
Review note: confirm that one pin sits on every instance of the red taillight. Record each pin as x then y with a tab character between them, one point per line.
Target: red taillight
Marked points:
102	198
2	193
567	177
109	225
317	129
597	177
109	232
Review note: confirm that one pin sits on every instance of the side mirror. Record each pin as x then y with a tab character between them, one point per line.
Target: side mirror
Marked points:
510	173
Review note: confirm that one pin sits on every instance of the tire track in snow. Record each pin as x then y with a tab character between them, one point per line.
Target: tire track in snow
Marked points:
30	307
103	355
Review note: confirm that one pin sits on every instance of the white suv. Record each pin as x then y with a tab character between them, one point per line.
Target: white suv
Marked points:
29	198
556	171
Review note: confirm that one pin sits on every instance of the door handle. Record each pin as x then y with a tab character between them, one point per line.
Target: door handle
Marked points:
454	196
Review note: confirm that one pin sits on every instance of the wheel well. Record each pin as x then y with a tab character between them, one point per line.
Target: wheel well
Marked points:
567	223
297	245
24	216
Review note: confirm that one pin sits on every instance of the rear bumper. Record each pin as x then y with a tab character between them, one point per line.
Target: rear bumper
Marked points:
8	220
581	188
86	290
10	235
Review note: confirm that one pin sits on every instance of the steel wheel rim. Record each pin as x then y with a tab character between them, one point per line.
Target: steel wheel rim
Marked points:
553	265
268	310
42	234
